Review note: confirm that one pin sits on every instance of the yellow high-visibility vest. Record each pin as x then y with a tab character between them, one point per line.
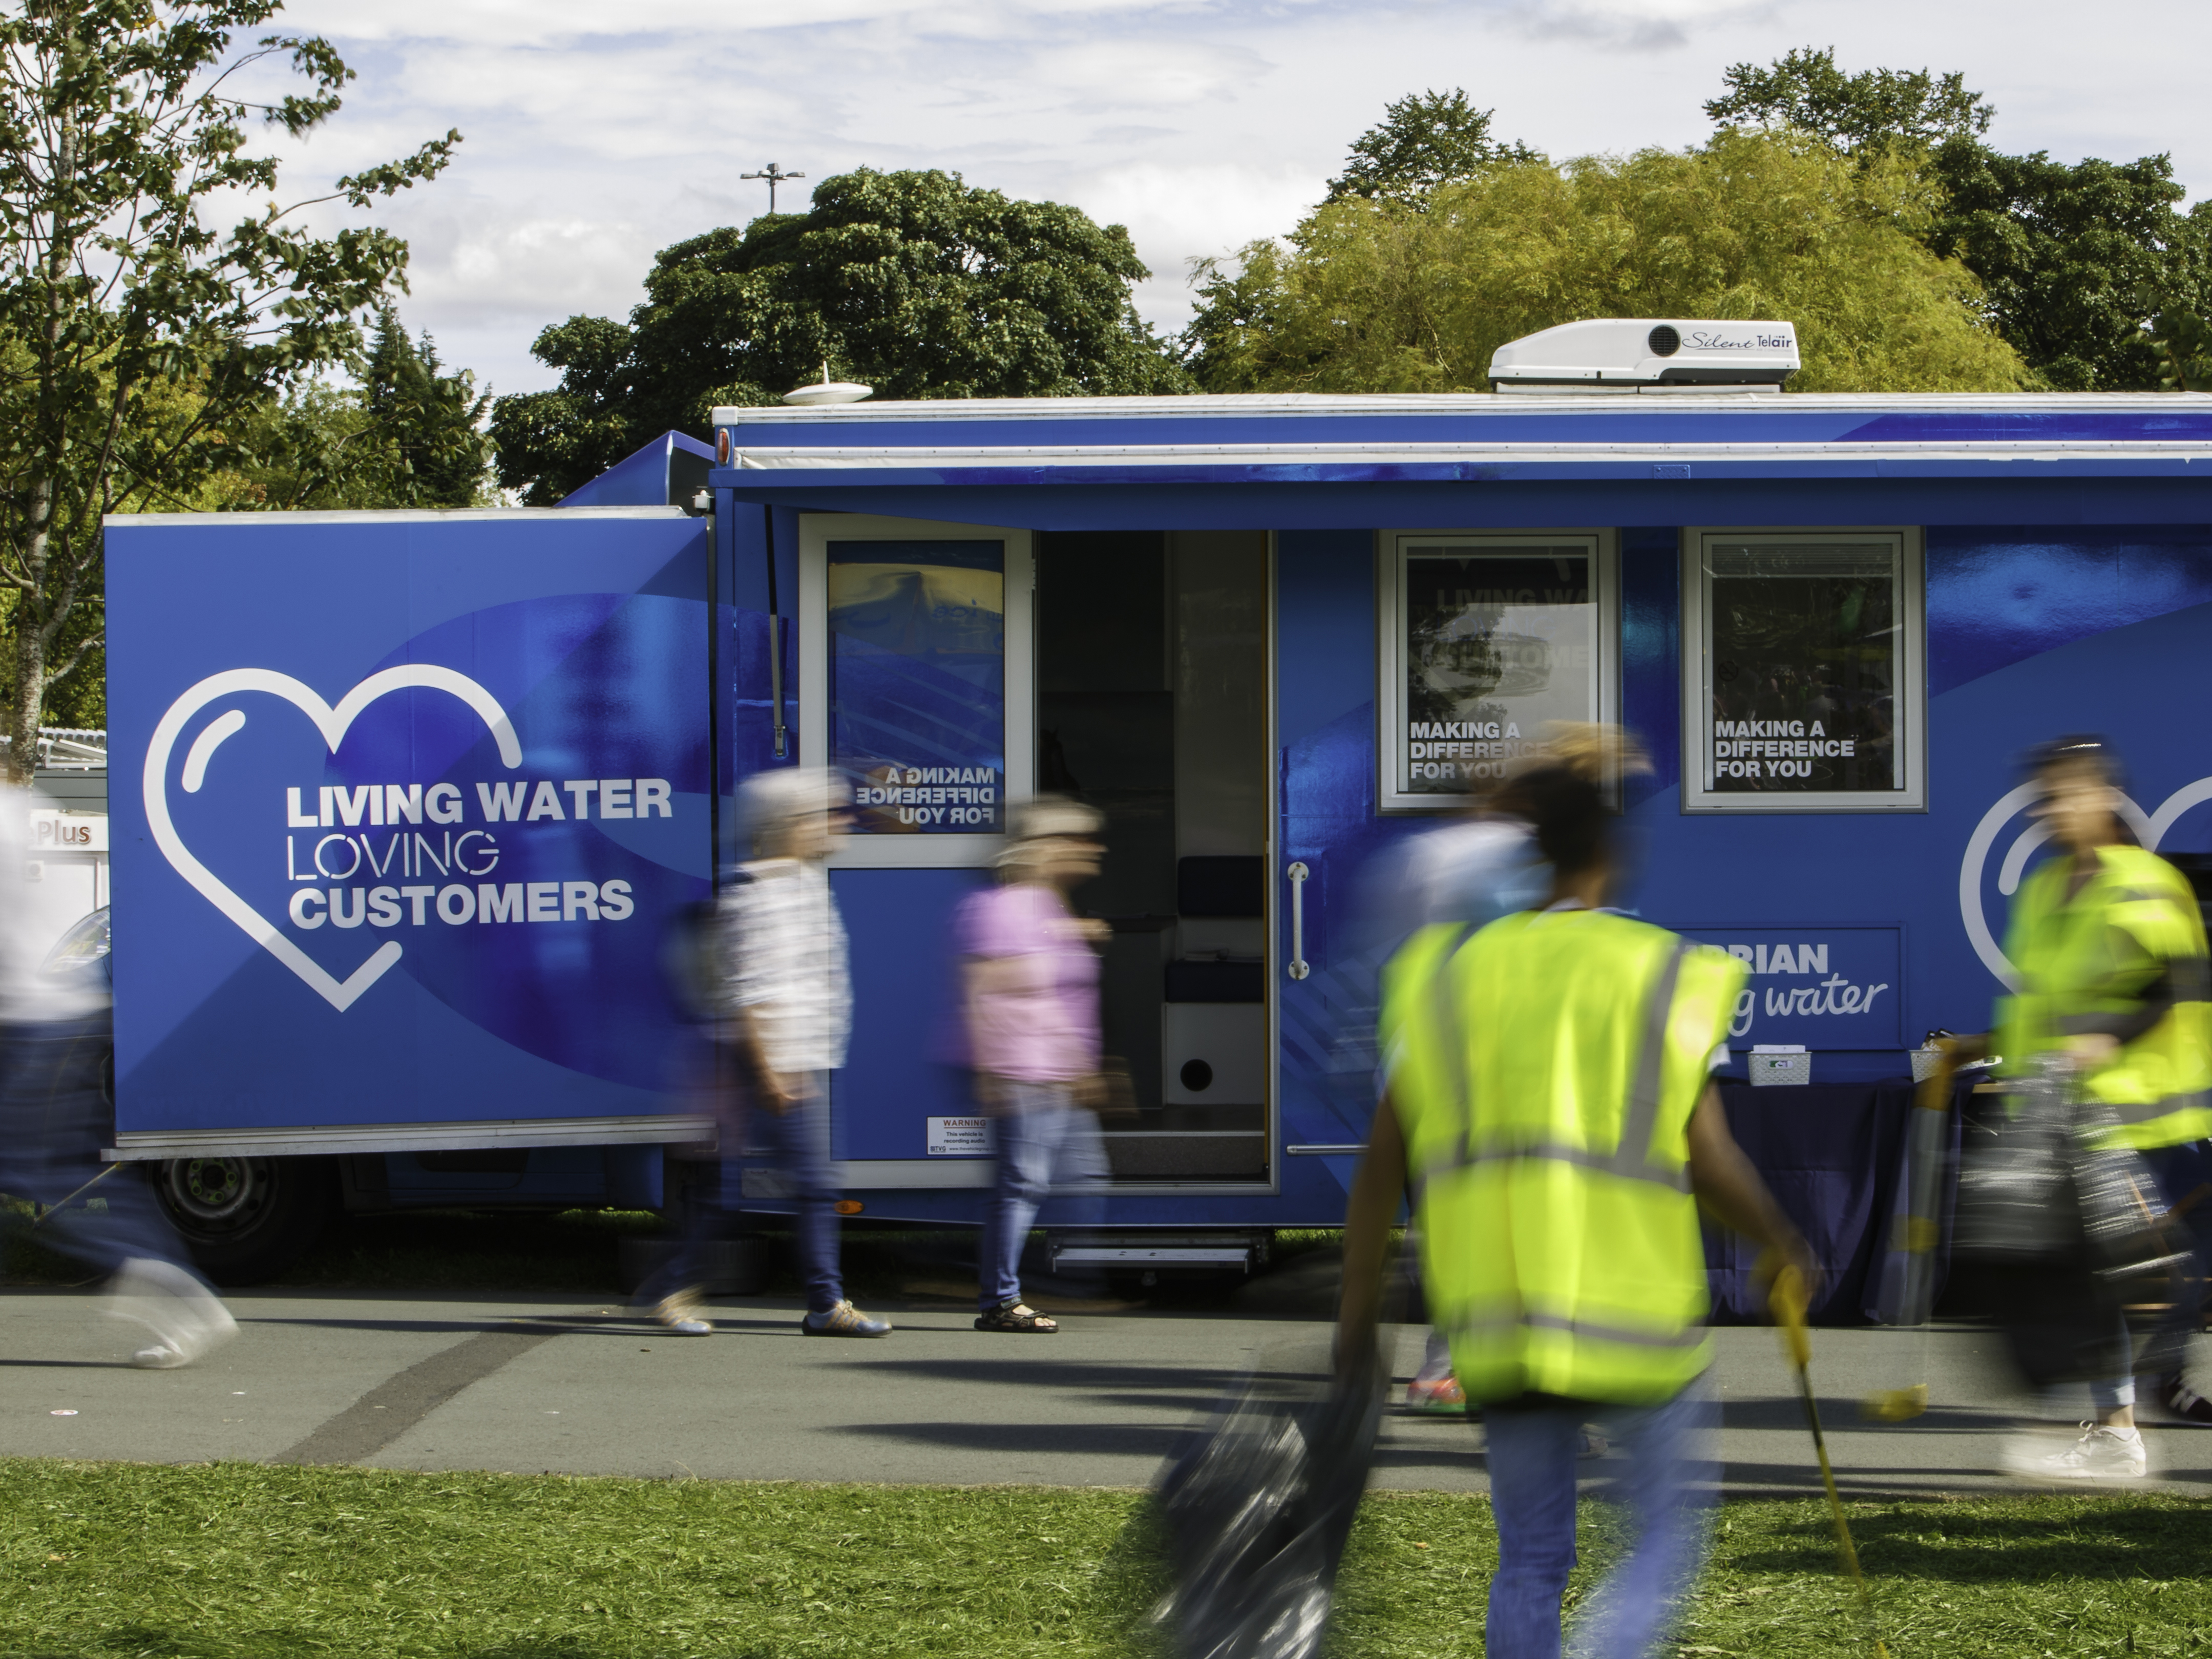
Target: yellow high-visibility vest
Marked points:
2125	955
1544	1071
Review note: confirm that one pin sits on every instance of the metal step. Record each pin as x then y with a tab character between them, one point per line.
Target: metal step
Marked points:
1202	1252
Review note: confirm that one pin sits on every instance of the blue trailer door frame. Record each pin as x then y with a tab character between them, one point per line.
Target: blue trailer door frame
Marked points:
896	891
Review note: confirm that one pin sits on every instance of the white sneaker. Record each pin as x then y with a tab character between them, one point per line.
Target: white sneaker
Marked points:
2100	1454
187	1318
684	1314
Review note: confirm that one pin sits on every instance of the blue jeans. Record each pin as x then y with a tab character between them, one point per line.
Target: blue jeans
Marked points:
797	1144
53	1122
1667	1488
1046	1145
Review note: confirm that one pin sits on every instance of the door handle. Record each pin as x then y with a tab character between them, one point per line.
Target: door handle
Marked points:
1299	967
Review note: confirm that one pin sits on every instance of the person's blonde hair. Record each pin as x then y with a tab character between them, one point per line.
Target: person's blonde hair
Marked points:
1044	817
1593	750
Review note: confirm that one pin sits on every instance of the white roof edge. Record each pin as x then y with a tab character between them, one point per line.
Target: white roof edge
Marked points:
397	515
937	456
1441	403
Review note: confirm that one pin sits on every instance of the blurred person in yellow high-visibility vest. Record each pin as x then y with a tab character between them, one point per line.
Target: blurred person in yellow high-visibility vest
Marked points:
2108	946
1550	1108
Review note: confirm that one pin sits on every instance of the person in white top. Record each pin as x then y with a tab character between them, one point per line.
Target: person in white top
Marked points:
786	1000
55	1038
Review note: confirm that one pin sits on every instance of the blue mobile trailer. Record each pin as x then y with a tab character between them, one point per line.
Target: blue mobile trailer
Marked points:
1268	635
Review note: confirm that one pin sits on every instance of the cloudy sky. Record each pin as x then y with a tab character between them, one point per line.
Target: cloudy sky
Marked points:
599	130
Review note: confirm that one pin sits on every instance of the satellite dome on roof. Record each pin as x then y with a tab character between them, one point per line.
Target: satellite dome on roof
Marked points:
827	391
1639	354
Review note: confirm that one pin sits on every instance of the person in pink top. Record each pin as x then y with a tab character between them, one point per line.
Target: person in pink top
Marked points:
1030	995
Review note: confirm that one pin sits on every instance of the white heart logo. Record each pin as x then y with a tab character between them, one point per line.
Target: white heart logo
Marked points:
341	995
2150	832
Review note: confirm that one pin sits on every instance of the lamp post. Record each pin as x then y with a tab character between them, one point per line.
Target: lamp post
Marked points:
774	175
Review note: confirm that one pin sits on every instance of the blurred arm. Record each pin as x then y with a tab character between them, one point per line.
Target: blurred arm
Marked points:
777	1093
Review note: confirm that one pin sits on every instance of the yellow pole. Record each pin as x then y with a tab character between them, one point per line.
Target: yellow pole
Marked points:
1924	1136
1788	1300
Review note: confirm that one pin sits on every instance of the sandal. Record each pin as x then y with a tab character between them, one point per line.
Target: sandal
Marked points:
1016	1316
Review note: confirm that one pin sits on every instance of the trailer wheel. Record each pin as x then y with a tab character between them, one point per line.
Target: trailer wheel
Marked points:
246	1219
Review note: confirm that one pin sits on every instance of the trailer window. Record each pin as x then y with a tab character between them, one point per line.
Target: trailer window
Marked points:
1803	659
1487	640
918	683
915	681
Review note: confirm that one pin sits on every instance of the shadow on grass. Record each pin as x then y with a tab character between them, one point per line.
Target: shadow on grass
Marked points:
2016	1541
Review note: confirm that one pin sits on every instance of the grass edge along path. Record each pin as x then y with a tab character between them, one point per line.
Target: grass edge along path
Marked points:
239	1561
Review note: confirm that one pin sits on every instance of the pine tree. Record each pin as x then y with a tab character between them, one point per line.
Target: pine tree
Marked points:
427	426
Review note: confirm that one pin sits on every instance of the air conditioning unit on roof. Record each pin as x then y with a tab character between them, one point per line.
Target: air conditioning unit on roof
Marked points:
1648	354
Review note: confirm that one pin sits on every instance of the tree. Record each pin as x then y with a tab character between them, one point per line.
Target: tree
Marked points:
136	330
1424	140
1371	297
428	425
2074	259
2184	341
1874	109
913	282
407	434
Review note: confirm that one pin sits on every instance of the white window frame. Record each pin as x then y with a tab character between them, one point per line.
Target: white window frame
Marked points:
816	531
1911	692
1390	740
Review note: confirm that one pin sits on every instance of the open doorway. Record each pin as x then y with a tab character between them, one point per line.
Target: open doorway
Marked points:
1152	656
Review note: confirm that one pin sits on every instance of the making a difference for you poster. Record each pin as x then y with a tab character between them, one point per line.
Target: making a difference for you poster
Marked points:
402	808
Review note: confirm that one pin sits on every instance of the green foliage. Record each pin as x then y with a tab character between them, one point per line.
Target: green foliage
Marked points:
2186	341
248	1561
406	434
913	282
1374	298
1424	140
549	443
2074	259
1874	109
140	330
430	424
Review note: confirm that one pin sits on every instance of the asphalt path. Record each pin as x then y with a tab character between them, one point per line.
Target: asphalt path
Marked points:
531	1383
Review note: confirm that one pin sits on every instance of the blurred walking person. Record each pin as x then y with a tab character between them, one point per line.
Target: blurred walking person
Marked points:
1550	1108
1470	871
788	1012
1030	992
2109	948
56	1037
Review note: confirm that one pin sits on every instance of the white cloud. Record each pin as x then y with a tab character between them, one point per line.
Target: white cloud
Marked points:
598	135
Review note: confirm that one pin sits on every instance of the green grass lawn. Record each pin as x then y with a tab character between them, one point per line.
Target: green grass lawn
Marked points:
105	1560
